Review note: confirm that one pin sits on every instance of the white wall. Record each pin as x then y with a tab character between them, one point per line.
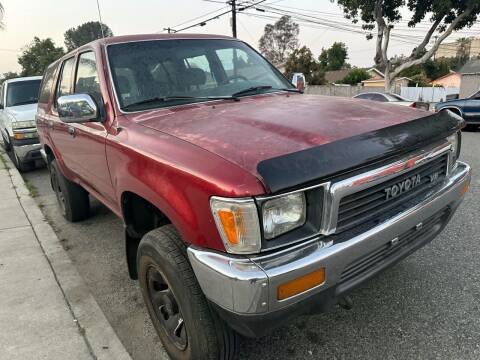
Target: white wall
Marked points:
428	94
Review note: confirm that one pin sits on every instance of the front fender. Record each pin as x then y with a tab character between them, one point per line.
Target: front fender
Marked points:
178	178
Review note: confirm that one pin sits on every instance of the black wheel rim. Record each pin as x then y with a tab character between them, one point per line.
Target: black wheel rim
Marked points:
166	308
58	192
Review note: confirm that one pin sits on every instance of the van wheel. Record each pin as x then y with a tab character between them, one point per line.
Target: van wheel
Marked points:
6	143
72	199
185	323
22	166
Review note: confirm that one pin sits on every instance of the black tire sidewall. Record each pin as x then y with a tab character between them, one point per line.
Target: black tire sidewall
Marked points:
201	323
77	203
55	172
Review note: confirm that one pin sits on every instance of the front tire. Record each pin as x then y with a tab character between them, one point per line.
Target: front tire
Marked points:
72	199
185	323
6	144
22	166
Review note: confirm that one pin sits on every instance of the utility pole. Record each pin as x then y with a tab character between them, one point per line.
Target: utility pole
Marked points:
234	18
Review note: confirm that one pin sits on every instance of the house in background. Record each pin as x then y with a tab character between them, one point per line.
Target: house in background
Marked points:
453	80
336	76
470	78
378	80
450	50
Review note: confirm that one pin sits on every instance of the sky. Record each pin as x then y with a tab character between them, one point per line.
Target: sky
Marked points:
25	19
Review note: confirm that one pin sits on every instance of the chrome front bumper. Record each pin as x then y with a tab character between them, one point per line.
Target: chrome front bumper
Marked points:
247	285
23	151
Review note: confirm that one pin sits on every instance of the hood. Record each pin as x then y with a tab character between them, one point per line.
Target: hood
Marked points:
22	112
270	126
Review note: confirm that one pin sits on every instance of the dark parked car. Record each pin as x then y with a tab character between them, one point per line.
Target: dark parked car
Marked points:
468	108
245	202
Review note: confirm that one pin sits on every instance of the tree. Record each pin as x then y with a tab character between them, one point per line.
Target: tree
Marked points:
444	17
83	34
8	75
335	57
463	49
355	76
302	60
317	78
420	80
279	40
38	55
431	69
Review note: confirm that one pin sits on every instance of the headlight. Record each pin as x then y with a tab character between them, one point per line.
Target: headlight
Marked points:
23	124
237	223
456	141
283	214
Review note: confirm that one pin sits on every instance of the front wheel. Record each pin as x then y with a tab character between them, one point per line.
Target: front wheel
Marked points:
6	143
186	325
22	166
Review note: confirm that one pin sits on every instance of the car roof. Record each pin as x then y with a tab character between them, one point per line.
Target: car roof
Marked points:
146	37
26	78
142	37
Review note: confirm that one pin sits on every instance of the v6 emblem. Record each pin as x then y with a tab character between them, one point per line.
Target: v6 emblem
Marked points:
434	177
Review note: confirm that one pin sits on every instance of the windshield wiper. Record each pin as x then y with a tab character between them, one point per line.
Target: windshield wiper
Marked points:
252	89
263	87
161	99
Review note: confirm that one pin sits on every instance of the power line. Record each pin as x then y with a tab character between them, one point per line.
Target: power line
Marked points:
234	10
198	17
338	26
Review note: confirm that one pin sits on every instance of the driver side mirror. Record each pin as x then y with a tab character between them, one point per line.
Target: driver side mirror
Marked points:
77	108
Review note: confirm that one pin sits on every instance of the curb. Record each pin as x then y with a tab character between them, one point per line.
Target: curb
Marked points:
97	332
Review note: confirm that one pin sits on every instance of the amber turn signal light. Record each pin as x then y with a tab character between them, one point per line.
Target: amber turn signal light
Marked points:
301	284
232	229
465	189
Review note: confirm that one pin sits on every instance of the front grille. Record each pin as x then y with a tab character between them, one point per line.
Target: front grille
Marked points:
371	203
373	260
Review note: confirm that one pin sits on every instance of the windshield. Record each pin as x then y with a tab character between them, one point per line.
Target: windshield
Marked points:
23	92
197	70
475	96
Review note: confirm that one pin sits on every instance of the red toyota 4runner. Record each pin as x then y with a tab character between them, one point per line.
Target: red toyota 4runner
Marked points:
245	202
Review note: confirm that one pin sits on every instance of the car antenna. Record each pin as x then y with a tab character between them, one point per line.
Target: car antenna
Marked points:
100	17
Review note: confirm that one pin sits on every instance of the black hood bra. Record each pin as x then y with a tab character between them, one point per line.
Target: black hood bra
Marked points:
324	161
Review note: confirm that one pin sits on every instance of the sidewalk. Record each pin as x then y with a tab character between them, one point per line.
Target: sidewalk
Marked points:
46	310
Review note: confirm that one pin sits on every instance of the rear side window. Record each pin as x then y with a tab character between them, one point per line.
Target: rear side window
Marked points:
378	97
47	84
65	78
86	81
364	96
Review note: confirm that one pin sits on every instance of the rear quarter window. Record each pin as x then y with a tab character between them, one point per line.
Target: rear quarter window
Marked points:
47	85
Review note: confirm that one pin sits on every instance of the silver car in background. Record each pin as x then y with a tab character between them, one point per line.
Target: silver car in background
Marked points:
393	99
18	106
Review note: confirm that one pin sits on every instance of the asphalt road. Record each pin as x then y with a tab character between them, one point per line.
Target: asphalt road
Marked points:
426	307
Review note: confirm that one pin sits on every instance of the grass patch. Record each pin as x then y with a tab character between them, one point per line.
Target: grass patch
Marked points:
2	160
32	189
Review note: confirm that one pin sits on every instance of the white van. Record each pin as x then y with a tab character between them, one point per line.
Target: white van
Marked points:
18	106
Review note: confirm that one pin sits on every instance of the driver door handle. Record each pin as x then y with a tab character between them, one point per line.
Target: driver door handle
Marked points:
71	131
